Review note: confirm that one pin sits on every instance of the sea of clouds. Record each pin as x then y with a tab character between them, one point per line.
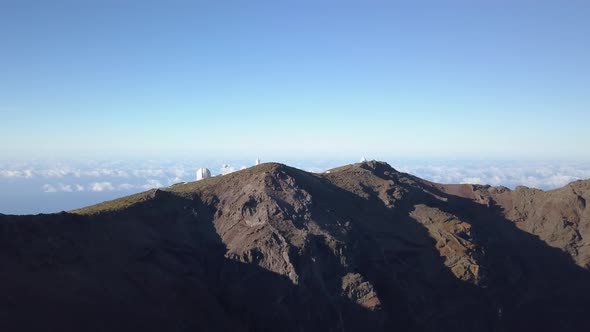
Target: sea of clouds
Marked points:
544	175
49	186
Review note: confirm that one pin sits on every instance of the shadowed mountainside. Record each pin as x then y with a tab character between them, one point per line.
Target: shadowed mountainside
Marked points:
361	248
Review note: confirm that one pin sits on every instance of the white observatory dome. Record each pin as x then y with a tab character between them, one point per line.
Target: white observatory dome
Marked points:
363	160
203	173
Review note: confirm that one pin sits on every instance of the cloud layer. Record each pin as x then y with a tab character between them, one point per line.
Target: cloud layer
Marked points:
96	177
100	187
43	186
543	175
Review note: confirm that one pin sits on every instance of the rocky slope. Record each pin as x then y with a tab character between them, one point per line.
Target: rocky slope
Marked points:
273	248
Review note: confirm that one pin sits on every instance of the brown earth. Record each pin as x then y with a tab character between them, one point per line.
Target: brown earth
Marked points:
274	248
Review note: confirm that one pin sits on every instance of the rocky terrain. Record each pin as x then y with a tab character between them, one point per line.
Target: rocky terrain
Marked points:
273	248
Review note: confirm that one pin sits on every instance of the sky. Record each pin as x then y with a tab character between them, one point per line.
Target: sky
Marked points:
454	91
412	78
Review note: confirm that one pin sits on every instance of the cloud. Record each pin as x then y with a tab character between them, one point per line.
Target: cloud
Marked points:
106	172
55	172
101	171
543	175
27	173
66	188
60	187
172	181
151	184
52	172
315	169
473	180
101	186
92	176
226	169
61	171
47	188
144	173
179	172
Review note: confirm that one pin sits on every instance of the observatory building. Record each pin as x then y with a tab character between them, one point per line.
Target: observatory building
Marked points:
203	173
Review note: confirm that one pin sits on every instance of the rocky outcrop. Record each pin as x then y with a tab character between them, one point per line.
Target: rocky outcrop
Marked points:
455	242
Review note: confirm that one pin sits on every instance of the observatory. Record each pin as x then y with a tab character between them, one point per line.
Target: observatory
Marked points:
203	173
363	160
257	161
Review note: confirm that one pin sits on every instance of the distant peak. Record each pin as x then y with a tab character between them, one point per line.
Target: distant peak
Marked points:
377	166
275	169
272	166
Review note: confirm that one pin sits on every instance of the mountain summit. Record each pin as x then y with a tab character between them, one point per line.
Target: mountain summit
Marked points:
362	247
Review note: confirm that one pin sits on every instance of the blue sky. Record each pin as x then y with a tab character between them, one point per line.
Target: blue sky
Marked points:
501	79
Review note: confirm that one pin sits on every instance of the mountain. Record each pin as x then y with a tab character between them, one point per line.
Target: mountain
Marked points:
272	248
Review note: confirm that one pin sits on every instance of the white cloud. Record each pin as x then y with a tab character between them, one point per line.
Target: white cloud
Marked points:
60	187
151	184
560	180
63	187
315	169
27	173
101	186
179	172
226	169
144	173
473	180
49	188
172	181
61	171
95	176
54	173
106	172
541	175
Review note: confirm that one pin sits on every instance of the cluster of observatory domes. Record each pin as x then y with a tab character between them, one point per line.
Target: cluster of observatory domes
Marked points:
204	173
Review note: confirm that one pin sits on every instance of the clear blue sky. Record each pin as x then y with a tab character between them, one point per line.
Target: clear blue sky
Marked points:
430	78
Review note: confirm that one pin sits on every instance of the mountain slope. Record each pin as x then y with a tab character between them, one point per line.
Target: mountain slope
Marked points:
363	247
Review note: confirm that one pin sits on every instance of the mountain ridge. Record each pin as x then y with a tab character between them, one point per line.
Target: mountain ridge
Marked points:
361	247
271	165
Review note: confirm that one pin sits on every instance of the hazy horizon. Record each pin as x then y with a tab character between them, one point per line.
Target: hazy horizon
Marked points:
45	186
